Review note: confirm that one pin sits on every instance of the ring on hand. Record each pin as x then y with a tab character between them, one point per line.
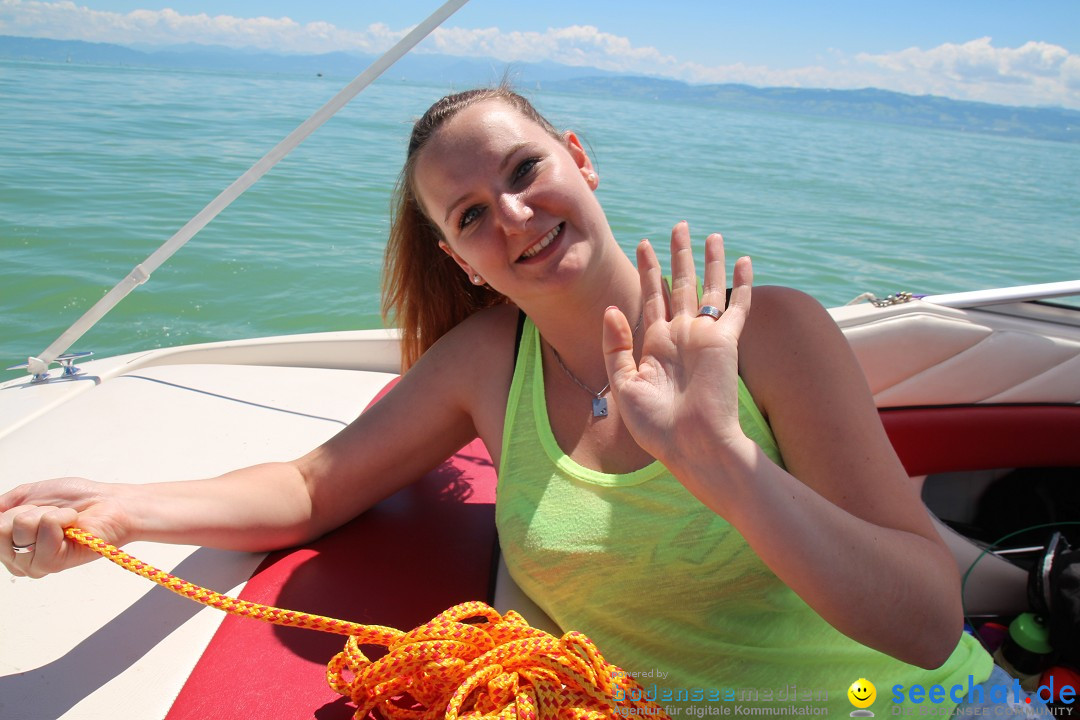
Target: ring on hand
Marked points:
23	549
710	311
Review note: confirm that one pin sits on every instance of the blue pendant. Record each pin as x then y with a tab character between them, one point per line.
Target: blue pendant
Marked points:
599	407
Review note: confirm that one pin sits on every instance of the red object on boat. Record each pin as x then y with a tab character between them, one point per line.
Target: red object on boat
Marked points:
981	437
1056	679
424	549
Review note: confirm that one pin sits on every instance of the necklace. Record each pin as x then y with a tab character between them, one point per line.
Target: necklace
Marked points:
599	402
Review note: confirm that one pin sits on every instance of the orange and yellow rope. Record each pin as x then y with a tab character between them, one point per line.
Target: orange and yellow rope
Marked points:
468	662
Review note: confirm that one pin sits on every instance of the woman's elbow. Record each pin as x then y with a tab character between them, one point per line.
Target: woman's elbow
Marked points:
937	641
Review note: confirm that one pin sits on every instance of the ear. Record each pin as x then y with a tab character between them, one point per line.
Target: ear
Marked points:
445	247
581	158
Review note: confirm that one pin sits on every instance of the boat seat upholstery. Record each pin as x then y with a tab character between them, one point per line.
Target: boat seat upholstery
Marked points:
921	354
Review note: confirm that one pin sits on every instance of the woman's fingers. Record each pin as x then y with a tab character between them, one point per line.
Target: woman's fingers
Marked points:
684	288
739	307
40	531
18	533
618	344
683	298
50	549
684	291
714	287
653	304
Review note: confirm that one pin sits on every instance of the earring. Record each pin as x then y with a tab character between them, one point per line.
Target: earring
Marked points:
592	178
477	280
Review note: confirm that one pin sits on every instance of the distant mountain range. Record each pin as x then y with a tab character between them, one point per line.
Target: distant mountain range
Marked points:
868	105
413	67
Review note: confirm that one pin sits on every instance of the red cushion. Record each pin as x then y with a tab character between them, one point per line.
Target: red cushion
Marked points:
425	549
984	437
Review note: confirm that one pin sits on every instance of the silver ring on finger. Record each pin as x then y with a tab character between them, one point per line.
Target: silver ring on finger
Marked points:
710	311
23	549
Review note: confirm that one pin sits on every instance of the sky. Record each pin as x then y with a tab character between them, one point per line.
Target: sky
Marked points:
1011	52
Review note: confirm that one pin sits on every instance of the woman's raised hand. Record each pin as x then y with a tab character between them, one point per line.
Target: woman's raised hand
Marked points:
681	401
33	517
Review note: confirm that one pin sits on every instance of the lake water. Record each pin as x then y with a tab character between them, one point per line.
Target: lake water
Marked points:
100	165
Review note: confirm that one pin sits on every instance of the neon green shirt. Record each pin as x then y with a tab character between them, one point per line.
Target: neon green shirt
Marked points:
668	589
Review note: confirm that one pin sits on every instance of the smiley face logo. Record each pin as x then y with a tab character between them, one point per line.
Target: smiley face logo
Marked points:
862	693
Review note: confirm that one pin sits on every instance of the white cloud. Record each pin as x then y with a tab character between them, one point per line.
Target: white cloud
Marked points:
578	45
67	21
1035	73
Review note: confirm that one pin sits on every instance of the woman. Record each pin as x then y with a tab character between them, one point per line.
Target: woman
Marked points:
645	440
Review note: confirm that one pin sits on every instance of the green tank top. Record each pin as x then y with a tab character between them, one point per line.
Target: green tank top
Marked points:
667	589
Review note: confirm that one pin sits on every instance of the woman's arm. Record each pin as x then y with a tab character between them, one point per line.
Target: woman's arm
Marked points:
425	418
842	525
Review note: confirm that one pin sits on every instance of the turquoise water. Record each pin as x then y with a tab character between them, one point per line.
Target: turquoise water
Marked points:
99	166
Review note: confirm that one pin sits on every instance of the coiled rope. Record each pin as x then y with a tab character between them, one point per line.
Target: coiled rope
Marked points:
497	667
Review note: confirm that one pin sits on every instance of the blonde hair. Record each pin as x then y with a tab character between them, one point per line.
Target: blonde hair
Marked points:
424	291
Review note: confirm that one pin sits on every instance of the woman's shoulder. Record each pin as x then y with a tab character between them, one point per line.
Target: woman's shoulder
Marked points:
475	364
788	336
785	319
486	329
779	302
479	350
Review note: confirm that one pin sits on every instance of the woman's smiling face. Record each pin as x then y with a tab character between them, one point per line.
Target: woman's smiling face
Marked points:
514	204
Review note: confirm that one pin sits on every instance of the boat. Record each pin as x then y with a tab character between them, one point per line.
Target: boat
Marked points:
974	382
